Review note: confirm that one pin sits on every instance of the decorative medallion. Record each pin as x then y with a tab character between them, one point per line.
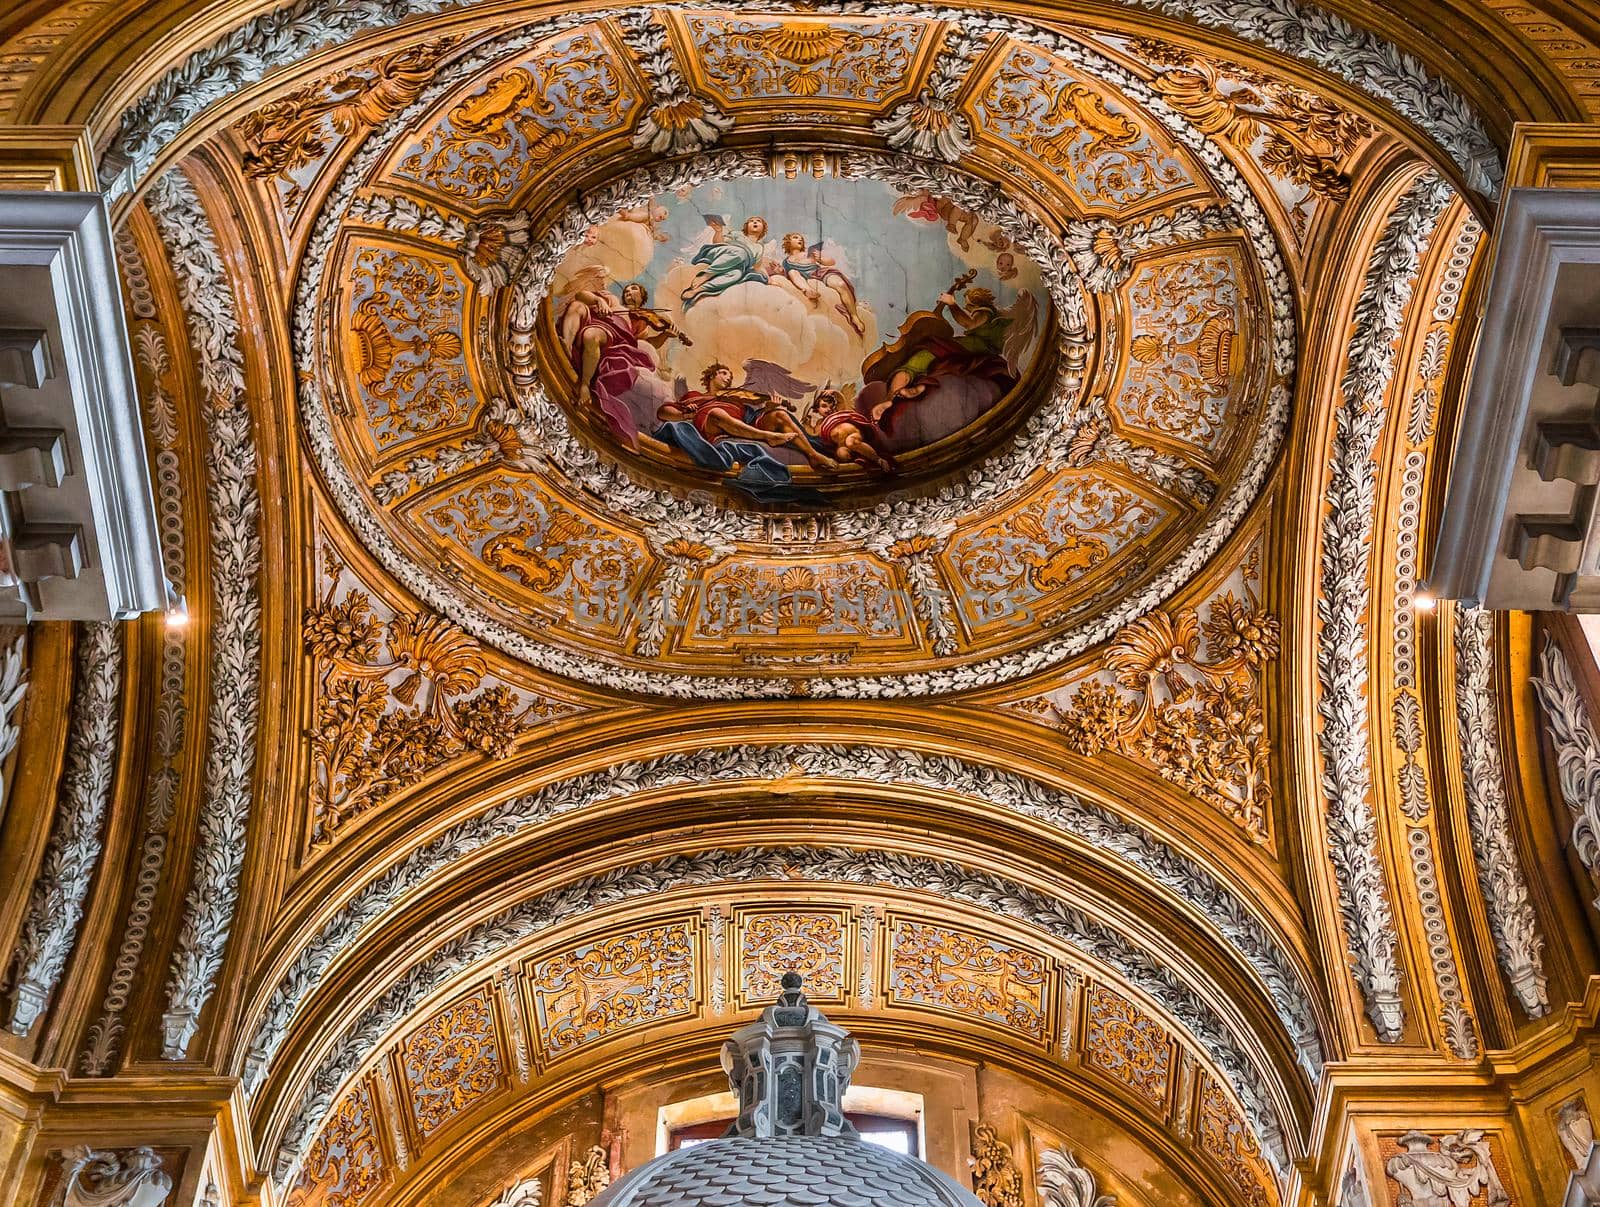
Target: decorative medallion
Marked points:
783	342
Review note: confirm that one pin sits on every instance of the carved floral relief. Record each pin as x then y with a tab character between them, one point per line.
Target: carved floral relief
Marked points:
452	1061
1182	692
1063	532
996	1180
1224	1137
810	942
288	140
1127	1043
1301	140
398	695
582	575
407	367
1187	345
1452	1170
345	1166
598	989
756	58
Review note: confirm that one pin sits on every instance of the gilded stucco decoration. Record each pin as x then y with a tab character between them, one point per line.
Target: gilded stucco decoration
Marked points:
437	1044
1181	691
814	943
600	425
346	1165
1125	1041
399	695
608	985
452	1060
608	426
996	1180
1572	732
1444	1171
587	1176
591	992
944	968
1132	845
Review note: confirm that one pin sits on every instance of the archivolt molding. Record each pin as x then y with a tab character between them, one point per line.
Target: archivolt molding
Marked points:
57	904
1093	825
1307	33
1572	733
1517	939
154	359
235	630
1415	794
885	527
1342	645
1143	969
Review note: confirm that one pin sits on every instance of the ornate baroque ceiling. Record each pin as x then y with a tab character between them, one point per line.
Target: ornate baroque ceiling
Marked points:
933	497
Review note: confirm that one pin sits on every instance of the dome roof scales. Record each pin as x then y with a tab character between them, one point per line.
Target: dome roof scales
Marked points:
791	1145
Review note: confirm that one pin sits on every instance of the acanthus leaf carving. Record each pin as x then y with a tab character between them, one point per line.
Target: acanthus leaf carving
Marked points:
1147	971
1577	750
1063	1182
1117	837
234	505
56	905
1517	939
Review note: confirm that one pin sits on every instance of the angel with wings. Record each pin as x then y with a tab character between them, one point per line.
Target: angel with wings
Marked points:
808	268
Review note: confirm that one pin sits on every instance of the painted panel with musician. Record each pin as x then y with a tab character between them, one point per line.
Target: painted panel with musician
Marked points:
795	339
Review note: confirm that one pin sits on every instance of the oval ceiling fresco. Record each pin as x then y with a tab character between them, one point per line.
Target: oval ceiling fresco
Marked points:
801	409
791	341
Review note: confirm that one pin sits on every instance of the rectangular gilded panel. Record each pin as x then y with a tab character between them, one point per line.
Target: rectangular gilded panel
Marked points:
861	61
1226	1139
813	942
594	991
345	1166
1127	1043
453	1060
1100	150
945	968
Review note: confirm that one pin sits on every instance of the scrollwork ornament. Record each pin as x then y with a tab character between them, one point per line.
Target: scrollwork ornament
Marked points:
126	1177
245	54
1117	837
56	905
1049	433
1146	970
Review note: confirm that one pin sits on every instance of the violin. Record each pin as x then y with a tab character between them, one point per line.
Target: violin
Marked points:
657	322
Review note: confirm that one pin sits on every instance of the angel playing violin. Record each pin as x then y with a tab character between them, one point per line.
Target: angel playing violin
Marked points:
611	342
